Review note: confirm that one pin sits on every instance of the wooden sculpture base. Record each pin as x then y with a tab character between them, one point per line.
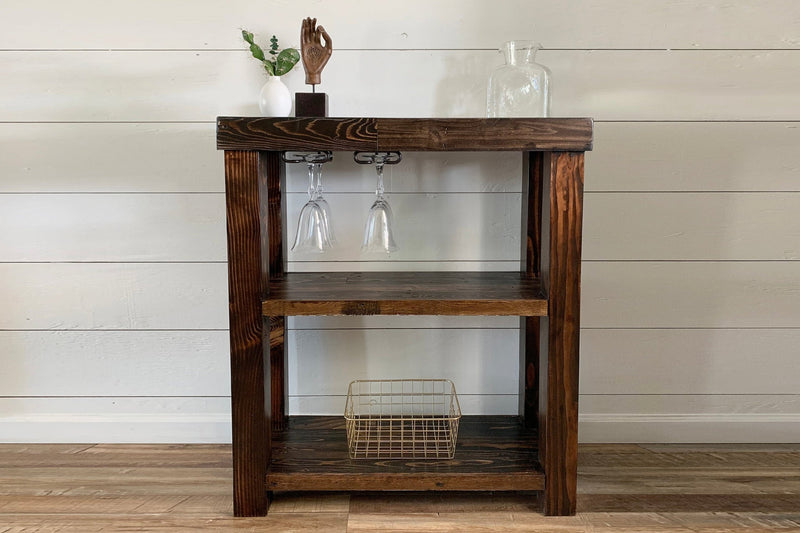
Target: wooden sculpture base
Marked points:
311	105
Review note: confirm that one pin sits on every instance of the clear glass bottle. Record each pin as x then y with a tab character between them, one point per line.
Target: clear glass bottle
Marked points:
521	87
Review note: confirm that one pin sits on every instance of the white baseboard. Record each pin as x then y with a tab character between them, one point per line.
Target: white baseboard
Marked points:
127	428
714	419
116	419
216	428
690	428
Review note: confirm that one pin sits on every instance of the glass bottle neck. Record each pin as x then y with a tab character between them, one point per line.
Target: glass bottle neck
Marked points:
520	52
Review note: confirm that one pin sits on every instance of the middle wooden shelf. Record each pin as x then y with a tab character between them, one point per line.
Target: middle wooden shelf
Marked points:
405	293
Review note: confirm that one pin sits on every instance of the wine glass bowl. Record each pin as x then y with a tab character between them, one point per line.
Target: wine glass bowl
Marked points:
378	236
378	232
314	227
311	235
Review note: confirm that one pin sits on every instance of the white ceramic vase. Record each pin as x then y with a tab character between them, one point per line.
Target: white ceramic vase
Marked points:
275	99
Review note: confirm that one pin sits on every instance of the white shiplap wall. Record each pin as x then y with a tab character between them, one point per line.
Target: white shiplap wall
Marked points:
112	230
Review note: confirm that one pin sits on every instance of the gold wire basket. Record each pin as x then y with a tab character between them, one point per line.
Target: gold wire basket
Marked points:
402	418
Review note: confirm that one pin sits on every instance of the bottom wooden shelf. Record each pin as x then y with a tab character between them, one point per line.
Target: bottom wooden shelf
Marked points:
493	453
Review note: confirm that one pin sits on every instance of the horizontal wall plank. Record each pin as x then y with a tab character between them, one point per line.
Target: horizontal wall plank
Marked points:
477	361
694	156
110	158
112	227
676	418
198	420
115	419
429	172
430	227
471	404
690	429
642	404
193	296
692	404
603	84
195	363
471	24
688	295
702	361
114	296
131	86
675	85
693	226
115	363
191	227
629	156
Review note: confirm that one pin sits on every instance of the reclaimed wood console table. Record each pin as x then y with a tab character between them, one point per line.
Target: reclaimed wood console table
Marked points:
534	451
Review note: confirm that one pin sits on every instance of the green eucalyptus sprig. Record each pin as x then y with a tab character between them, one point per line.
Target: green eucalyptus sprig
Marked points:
280	62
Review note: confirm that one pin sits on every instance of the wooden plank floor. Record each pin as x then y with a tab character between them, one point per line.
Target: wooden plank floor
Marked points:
180	488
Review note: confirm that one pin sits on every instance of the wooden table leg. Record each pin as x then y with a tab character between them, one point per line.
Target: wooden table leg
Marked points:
532	189
250	376
272	185
277	361
558	364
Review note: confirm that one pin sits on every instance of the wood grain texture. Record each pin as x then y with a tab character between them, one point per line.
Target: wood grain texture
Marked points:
249	374
559	420
405	293
278	360
481	134
180	488
220	522
492	453
272	187
263	133
529	327
368	134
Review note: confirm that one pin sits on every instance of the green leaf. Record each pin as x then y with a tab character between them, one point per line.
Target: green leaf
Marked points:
247	36
270	67
257	52
286	60
273	47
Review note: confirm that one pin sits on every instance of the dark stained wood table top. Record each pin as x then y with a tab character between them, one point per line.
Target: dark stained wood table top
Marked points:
407	134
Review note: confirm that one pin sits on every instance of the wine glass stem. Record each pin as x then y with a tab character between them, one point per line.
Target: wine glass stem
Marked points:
379	190
318	168
311	181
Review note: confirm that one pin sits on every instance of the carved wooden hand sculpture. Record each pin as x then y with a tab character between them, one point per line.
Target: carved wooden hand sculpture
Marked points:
315	55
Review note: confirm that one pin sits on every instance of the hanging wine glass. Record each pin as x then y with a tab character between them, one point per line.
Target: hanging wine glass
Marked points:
314	225
378	231
323	203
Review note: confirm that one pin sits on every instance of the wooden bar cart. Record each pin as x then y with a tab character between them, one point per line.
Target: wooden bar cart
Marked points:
534	451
